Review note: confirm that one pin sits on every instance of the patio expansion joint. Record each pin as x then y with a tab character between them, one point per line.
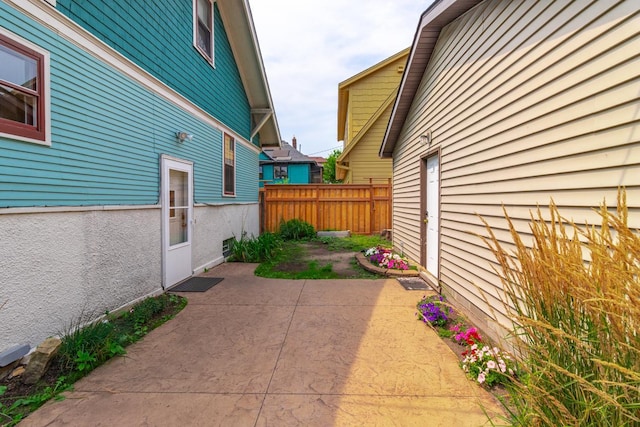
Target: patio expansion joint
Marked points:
284	340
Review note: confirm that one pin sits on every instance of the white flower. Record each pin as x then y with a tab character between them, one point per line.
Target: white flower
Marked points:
491	364
503	366
481	377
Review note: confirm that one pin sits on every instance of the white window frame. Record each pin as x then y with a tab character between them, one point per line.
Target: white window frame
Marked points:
224	165
280	168
46	94
205	55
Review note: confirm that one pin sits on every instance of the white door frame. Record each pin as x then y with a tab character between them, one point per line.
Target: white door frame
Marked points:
431	214
176	259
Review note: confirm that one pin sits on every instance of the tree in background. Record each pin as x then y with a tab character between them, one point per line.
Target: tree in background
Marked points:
329	171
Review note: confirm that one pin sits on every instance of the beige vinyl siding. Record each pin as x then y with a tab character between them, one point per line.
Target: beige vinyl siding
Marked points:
364	162
528	101
367	95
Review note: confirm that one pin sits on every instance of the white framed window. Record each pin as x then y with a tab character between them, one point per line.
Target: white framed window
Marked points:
203	28
24	90
229	174
280	171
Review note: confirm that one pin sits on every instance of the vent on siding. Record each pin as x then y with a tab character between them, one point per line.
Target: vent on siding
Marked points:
226	247
400	68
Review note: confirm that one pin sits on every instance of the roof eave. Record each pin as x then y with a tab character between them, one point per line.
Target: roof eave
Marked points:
246	50
432	21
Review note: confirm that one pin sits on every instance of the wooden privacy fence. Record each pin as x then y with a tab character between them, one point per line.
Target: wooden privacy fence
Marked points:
361	208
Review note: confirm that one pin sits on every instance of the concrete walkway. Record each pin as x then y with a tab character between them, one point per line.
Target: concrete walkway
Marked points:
268	352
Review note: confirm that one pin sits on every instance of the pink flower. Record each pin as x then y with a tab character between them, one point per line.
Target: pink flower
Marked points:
491	364
481	377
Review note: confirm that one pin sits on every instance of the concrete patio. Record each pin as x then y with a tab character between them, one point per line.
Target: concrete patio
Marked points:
270	352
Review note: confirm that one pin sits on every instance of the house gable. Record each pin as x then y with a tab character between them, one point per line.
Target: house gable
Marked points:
525	102
145	32
364	102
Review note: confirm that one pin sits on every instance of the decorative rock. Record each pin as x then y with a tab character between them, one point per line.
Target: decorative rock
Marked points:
17	372
40	360
5	371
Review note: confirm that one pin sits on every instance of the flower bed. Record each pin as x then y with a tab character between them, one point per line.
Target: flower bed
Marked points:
385	258
381	260
486	364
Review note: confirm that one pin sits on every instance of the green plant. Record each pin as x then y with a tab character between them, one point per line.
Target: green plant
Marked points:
263	248
433	310
355	242
576	323
296	229
489	366
86	345
385	258
329	168
21	406
84	361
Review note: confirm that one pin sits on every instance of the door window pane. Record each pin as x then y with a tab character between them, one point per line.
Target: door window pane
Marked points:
179	207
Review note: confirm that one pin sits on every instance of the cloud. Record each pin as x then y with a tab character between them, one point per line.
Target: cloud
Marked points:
308	48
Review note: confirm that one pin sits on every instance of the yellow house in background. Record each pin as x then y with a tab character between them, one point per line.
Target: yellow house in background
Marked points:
364	107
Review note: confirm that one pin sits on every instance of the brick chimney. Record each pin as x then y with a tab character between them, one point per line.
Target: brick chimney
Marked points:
294	142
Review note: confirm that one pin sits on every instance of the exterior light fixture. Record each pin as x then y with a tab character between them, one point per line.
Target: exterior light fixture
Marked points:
426	138
183	136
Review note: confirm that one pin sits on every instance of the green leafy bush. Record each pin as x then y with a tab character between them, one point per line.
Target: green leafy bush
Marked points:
296	229
261	249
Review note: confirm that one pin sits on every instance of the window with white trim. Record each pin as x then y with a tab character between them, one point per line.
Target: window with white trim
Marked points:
203	28
229	176
22	91
280	171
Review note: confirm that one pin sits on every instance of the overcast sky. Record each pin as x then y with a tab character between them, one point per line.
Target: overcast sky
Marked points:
309	47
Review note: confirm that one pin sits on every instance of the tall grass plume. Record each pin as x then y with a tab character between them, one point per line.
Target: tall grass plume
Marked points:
574	298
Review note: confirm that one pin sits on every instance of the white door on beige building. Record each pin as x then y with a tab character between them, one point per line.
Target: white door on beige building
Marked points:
177	214
432	214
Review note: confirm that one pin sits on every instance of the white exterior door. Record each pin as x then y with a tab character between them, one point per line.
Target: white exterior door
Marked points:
432	214
177	215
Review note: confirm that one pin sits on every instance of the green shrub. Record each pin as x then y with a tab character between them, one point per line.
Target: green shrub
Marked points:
261	249
296	229
577	323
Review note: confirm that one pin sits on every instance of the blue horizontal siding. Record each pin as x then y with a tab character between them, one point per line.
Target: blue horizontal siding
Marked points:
158	36
108	133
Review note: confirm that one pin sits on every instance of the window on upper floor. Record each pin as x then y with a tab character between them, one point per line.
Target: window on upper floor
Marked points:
280	171
203	28
22	91
229	166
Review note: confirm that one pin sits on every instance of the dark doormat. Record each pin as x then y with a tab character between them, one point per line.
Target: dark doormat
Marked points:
413	283
196	284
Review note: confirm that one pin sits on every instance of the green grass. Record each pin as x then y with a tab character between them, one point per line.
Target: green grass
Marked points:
354	243
289	259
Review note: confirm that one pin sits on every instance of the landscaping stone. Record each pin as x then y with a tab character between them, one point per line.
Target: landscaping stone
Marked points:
346	233
364	263
17	372
40	360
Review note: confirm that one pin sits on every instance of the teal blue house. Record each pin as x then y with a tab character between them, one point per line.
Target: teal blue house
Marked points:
130	136
287	165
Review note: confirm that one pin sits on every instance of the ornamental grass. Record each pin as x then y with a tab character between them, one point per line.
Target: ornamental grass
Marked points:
574	298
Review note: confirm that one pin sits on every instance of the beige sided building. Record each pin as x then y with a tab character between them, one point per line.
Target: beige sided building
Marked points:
364	106
514	103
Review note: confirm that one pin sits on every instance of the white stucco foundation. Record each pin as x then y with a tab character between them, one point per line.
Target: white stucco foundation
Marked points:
59	266
213	224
